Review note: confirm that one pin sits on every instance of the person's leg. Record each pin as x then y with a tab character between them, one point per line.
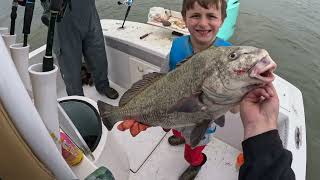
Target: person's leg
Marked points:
68	50
96	58
177	133
176	138
194	156
196	159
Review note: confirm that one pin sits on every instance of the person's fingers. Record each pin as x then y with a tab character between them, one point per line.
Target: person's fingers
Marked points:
142	127
270	90
120	127
128	123
134	130
274	97
274	90
134	126
265	94
262	98
255	95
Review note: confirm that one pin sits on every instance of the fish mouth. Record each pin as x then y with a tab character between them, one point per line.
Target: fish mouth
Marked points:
263	70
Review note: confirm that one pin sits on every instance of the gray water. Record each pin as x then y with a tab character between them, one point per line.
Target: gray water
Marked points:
288	29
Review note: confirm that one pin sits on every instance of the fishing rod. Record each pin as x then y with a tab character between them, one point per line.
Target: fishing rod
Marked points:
13	16
28	13
55	8
129	4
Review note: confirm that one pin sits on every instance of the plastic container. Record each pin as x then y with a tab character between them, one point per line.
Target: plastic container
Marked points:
239	161
70	152
101	173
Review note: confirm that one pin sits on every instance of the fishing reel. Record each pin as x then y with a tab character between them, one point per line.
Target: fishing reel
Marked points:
129	4
53	12
56	6
125	2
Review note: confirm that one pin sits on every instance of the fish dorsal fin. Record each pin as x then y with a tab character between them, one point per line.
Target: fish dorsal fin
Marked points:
139	86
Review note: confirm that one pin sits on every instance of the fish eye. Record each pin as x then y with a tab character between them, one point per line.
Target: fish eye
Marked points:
233	56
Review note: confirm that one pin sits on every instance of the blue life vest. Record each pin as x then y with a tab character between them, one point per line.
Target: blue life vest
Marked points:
181	49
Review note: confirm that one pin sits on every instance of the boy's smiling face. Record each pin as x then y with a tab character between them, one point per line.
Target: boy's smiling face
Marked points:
203	24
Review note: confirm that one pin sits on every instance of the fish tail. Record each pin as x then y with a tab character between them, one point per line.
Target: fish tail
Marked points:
108	114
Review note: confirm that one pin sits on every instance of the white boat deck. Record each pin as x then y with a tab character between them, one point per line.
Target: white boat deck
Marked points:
167	162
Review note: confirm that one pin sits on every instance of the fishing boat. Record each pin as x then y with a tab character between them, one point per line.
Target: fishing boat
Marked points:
133	51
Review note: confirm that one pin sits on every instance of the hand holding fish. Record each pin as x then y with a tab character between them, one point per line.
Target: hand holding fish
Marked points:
259	111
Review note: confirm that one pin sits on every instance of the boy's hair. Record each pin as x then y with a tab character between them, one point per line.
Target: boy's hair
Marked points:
188	4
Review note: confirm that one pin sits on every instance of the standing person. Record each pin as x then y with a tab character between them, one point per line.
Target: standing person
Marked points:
203	18
80	33
264	156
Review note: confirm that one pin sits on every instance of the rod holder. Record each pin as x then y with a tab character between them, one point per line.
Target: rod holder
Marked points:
9	39
3	30
44	86
20	57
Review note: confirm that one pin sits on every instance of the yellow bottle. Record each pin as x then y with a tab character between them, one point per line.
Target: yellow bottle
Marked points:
70	152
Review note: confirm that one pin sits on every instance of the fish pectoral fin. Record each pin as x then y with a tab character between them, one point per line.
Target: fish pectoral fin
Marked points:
139	86
220	121
198	132
187	104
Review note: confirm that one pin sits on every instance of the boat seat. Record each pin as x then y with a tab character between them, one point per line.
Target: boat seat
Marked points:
17	159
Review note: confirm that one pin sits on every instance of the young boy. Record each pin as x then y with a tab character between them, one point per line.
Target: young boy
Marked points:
203	18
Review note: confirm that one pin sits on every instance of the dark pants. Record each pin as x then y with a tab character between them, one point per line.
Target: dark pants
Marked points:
80	34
